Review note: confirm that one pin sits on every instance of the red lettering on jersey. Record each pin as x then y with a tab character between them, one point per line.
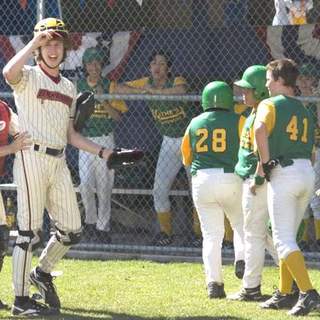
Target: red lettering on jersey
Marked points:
45	94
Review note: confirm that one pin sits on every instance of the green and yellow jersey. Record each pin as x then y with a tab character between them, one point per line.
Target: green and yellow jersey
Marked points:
211	141
171	118
289	125
247	156
100	123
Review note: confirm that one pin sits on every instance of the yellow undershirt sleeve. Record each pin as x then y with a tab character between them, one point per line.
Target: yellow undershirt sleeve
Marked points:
266	114
186	150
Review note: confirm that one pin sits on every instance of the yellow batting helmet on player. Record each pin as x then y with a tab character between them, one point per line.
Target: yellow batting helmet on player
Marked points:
53	24
61	33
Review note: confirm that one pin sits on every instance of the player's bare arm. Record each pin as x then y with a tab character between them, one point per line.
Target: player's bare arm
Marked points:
261	134
123	88
22	141
82	143
13	70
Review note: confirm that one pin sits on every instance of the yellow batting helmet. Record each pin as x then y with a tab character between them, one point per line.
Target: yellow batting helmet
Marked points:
53	24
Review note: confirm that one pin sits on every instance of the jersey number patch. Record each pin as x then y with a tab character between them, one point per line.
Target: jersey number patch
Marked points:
218	140
292	129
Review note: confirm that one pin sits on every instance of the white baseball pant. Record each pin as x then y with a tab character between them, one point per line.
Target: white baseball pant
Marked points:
256	216
96	178
315	200
289	193
215	193
168	165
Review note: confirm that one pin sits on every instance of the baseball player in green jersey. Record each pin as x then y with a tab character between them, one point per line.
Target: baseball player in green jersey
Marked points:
171	119
254	192
285	136
210	146
307	83
95	176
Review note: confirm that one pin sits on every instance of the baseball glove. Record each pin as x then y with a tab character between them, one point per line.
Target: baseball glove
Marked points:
124	157
84	108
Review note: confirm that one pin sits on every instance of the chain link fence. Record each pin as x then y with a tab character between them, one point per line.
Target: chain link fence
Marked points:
201	41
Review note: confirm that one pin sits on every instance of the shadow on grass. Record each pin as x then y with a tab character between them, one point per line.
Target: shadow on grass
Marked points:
85	314
81	314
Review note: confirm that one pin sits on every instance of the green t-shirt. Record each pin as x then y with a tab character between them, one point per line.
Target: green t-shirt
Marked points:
214	140
247	159
292	135
172	118
100	123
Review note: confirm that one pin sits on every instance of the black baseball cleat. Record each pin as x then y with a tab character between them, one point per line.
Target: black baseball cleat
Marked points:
162	240
239	269
306	303
247	294
32	308
43	282
216	290
279	301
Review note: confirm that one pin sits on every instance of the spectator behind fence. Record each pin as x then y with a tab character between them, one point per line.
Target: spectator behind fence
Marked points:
210	147
171	119
307	83
95	177
291	12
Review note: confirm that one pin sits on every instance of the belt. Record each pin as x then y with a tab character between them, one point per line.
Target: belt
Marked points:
49	151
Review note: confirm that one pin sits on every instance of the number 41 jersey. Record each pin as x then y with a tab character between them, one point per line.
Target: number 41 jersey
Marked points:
290	127
212	141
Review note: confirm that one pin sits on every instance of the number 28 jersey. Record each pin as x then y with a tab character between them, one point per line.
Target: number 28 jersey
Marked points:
290	127
212	141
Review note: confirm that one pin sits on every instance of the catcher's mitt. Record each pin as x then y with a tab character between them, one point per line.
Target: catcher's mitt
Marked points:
124	157
84	108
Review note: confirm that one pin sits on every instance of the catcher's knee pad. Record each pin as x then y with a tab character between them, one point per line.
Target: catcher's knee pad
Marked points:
68	238
29	240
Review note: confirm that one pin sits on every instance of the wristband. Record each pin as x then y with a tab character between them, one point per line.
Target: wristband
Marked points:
258	180
100	154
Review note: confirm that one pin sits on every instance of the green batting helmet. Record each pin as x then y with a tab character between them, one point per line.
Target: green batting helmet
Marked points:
217	94
255	78
92	54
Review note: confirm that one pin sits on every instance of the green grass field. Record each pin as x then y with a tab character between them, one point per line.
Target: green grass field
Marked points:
147	290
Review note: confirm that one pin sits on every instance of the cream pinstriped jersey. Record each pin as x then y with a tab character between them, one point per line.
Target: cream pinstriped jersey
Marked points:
44	106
